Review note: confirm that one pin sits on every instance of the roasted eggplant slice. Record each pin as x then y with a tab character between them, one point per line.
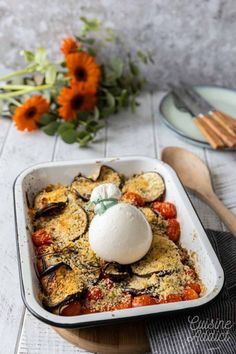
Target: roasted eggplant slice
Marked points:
52	194
162	257
50	209
83	186
85	256
67	226
140	285
155	285
61	285
116	272
150	186
157	223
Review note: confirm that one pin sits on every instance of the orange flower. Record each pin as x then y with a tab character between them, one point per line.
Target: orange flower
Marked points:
83	68
27	116
69	46
75	99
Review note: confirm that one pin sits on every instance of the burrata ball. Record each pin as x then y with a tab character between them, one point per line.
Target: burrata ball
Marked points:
121	234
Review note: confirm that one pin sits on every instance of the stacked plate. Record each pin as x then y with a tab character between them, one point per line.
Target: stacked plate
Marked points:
177	118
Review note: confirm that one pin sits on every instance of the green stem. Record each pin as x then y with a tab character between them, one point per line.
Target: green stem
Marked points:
15	102
15	87
26	90
14	73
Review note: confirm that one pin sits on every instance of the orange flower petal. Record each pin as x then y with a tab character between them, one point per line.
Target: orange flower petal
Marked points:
75	99
27	116
83	68
69	45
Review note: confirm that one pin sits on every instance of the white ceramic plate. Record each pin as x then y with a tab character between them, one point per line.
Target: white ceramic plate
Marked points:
181	121
193	237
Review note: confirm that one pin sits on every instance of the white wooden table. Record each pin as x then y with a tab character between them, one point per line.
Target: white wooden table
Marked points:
127	134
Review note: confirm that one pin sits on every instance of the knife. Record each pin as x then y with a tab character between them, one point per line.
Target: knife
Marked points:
214	125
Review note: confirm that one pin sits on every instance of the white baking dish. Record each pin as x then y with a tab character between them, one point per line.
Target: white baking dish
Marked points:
193	237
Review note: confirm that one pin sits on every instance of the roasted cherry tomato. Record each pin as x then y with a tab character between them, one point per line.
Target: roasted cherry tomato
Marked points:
195	286
41	250
166	209
173	230
144	300
87	310
173	298
133	198
41	237
125	303
72	309
94	293
189	294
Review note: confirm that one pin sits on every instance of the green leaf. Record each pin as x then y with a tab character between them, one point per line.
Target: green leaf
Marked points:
91	51
117	66
110	99
94	126
40	56
28	55
90	24
65	126
142	57
85	40
134	68
11	108
47	118
111	35
1	107
96	113
106	112
51	128
84	137
83	116
51	74
69	136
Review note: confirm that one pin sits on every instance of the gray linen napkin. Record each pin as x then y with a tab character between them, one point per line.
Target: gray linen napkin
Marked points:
211	329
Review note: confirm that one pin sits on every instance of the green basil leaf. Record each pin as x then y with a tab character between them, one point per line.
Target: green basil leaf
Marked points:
51	74
47	118
51	128
69	136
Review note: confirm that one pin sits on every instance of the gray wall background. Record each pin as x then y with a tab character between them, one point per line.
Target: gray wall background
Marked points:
190	40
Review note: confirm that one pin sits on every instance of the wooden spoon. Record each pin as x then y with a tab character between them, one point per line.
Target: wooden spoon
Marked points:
195	175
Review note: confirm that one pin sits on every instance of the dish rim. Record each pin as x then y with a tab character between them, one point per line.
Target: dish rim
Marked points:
117	315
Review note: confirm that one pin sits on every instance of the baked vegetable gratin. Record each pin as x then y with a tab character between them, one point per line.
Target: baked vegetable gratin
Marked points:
74	281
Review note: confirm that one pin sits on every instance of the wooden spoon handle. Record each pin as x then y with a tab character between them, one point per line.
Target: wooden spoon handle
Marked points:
225	215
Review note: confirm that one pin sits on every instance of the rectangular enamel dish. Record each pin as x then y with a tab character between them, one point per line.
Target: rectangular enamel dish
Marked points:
193	237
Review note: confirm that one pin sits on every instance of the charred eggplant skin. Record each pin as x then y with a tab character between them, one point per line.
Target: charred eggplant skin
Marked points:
53	268
50	209
100	178
116	272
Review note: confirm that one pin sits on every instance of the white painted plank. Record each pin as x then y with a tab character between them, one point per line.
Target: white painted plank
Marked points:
20	151
223	167
96	149
165	137
39	338
132	133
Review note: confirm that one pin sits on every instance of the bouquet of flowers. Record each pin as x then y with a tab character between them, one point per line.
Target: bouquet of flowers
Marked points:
72	97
